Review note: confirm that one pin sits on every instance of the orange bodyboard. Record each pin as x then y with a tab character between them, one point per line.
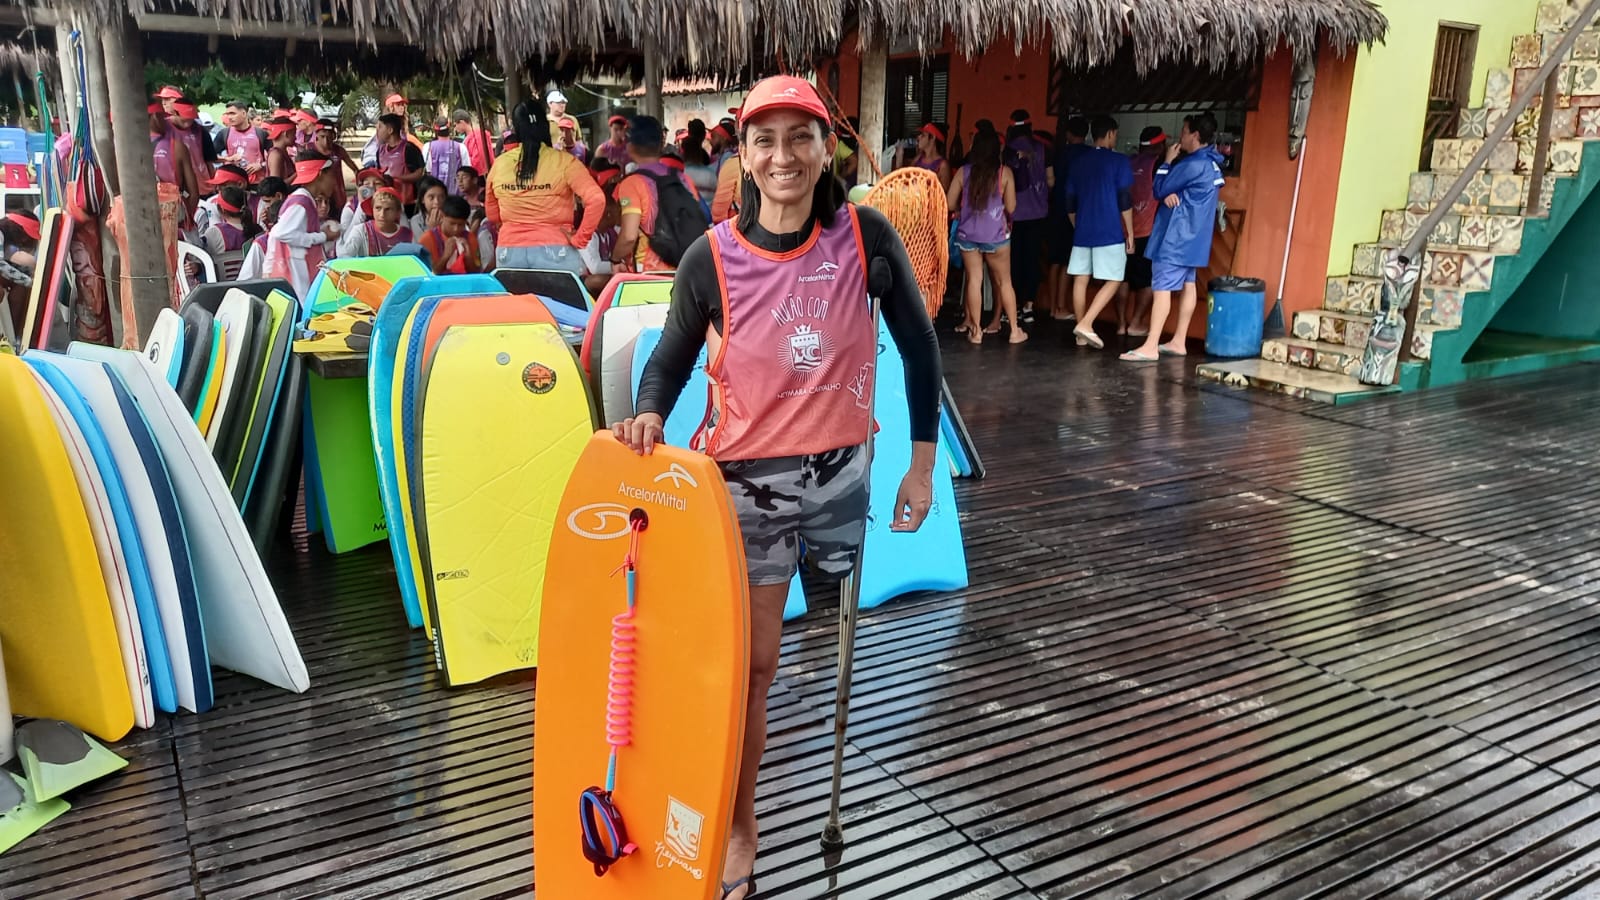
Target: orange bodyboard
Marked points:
489	309
676	776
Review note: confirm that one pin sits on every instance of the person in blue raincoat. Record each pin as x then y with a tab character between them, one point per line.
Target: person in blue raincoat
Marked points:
1186	189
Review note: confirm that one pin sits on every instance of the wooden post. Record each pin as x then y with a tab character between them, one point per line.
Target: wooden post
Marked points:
94	64
146	263
513	89
1541	147
653	105
874	94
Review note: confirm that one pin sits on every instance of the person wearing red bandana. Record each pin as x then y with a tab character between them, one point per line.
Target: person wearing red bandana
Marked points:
295	244
382	233
202	151
19	234
280	162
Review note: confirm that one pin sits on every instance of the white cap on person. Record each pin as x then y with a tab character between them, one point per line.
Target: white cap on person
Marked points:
555	97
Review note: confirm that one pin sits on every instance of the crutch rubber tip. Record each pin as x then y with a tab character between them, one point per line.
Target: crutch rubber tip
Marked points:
832	836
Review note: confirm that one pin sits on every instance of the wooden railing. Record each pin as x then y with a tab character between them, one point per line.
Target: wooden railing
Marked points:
1396	317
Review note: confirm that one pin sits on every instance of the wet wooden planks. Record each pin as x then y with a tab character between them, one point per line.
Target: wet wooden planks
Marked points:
1216	644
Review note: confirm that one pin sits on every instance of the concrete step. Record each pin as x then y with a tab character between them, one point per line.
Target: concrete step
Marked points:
1294	381
1332	327
1319	355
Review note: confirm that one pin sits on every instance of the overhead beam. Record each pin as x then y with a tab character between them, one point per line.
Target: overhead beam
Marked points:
206	25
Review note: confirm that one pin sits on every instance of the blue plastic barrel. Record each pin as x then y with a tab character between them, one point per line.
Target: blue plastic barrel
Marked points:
1235	312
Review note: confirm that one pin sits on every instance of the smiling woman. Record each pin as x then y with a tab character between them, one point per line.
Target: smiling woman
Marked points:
781	294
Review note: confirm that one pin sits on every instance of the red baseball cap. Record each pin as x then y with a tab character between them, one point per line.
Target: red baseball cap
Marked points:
229	175
277	130
307	170
617	120
394	99
388	190
568	122
29	226
368	172
155	109
168	92
185	110
932	131
301	115
783	92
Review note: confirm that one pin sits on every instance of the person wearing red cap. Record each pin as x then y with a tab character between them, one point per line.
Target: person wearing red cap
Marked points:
326	143
232	228
295	244
280	138
359	207
168	96
207	212
570	140
19	235
780	294
393	105
172	164
615	147
477	142
382	233
931	140
202	151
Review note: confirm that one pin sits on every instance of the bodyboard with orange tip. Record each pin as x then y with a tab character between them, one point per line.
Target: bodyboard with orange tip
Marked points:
504	415
675	776
63	660
413	354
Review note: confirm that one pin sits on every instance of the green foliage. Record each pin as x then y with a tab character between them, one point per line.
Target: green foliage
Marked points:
215	84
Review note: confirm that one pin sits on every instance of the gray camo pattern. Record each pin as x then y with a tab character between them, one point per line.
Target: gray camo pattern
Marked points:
820	499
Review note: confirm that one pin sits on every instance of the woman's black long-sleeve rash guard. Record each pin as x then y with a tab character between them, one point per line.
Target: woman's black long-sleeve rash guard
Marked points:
697	305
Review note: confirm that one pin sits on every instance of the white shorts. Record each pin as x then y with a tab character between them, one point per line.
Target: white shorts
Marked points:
1108	263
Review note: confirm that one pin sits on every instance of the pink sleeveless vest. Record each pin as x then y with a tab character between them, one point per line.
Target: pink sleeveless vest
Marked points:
378	244
392	161
192	138
247	146
792	371
232	238
161	149
281	262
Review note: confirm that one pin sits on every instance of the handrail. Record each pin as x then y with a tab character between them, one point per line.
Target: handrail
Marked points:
1396	312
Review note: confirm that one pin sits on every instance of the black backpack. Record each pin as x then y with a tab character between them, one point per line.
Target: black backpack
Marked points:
680	219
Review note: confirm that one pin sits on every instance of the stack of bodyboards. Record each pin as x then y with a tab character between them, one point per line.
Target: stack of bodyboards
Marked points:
479	412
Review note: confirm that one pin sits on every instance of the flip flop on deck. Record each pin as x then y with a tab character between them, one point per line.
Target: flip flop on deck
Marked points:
1136	356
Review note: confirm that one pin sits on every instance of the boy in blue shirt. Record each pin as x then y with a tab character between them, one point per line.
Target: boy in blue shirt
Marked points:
1099	201
1180	242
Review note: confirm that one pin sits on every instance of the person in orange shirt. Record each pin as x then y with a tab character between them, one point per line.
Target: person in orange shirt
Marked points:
530	198
451	248
638	199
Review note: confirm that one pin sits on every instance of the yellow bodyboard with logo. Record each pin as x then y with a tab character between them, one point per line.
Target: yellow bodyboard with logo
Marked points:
686	650
505	414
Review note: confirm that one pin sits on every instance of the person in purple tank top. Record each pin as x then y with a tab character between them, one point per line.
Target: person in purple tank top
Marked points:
931	139
983	196
779	298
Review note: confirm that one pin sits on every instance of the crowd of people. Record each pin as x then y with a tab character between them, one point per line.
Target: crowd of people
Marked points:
268	194
1045	218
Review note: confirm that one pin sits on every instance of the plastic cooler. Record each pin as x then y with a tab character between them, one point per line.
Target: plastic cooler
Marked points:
1235	313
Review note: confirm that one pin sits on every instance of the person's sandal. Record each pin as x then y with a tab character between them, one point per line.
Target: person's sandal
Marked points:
748	883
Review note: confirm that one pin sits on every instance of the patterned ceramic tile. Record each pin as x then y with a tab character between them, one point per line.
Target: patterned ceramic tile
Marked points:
1525	152
1367	261
1355	335
1331	330
1474	233
1301	355
1477	271
1505	234
1332	361
1554	16
1585	79
1527	50
1422	344
1475	196
1497	89
1474	123
1413	222
1446	232
1588	47
1507	194
1467	149
1503	158
1392	228
1565	156
1564	84
1306	325
1333	295
1419	195
1564	123
1548	193
1447	155
1442	267
1496	116
1275	351
1522	79
1439	306
1588	121
1527	127
1362	296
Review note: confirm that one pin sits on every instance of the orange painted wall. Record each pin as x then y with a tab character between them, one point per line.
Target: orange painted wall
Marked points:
1265	187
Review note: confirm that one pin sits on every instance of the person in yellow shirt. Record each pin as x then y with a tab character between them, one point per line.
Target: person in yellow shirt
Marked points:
530	198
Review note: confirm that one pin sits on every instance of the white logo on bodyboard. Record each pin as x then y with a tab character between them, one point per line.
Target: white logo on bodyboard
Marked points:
599	521
679	846
679	475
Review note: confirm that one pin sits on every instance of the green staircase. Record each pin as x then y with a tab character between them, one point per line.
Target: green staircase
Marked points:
1475	259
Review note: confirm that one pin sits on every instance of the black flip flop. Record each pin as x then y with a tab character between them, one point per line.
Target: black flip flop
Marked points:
748	882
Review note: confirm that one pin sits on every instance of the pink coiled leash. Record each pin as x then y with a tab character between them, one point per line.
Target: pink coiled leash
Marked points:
605	839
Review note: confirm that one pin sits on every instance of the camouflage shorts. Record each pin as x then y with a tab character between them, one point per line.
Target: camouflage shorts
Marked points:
820	500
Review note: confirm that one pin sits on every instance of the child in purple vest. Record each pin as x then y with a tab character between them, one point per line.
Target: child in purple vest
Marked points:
443	157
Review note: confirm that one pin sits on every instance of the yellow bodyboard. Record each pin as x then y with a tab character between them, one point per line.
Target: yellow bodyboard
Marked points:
61	653
505	415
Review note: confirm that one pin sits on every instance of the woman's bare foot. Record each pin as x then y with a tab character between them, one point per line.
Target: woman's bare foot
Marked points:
1018	335
1170	350
994	327
740	862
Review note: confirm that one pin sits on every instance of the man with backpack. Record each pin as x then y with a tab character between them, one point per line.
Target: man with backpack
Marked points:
1028	158
660	208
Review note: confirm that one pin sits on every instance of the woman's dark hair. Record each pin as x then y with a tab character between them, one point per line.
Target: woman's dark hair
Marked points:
938	143
427	183
234	195
826	199
532	128
985	162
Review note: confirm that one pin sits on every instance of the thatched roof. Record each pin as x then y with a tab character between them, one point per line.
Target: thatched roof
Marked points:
19	60
724	36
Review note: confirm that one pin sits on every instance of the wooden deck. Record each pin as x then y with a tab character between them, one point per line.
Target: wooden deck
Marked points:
1218	644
